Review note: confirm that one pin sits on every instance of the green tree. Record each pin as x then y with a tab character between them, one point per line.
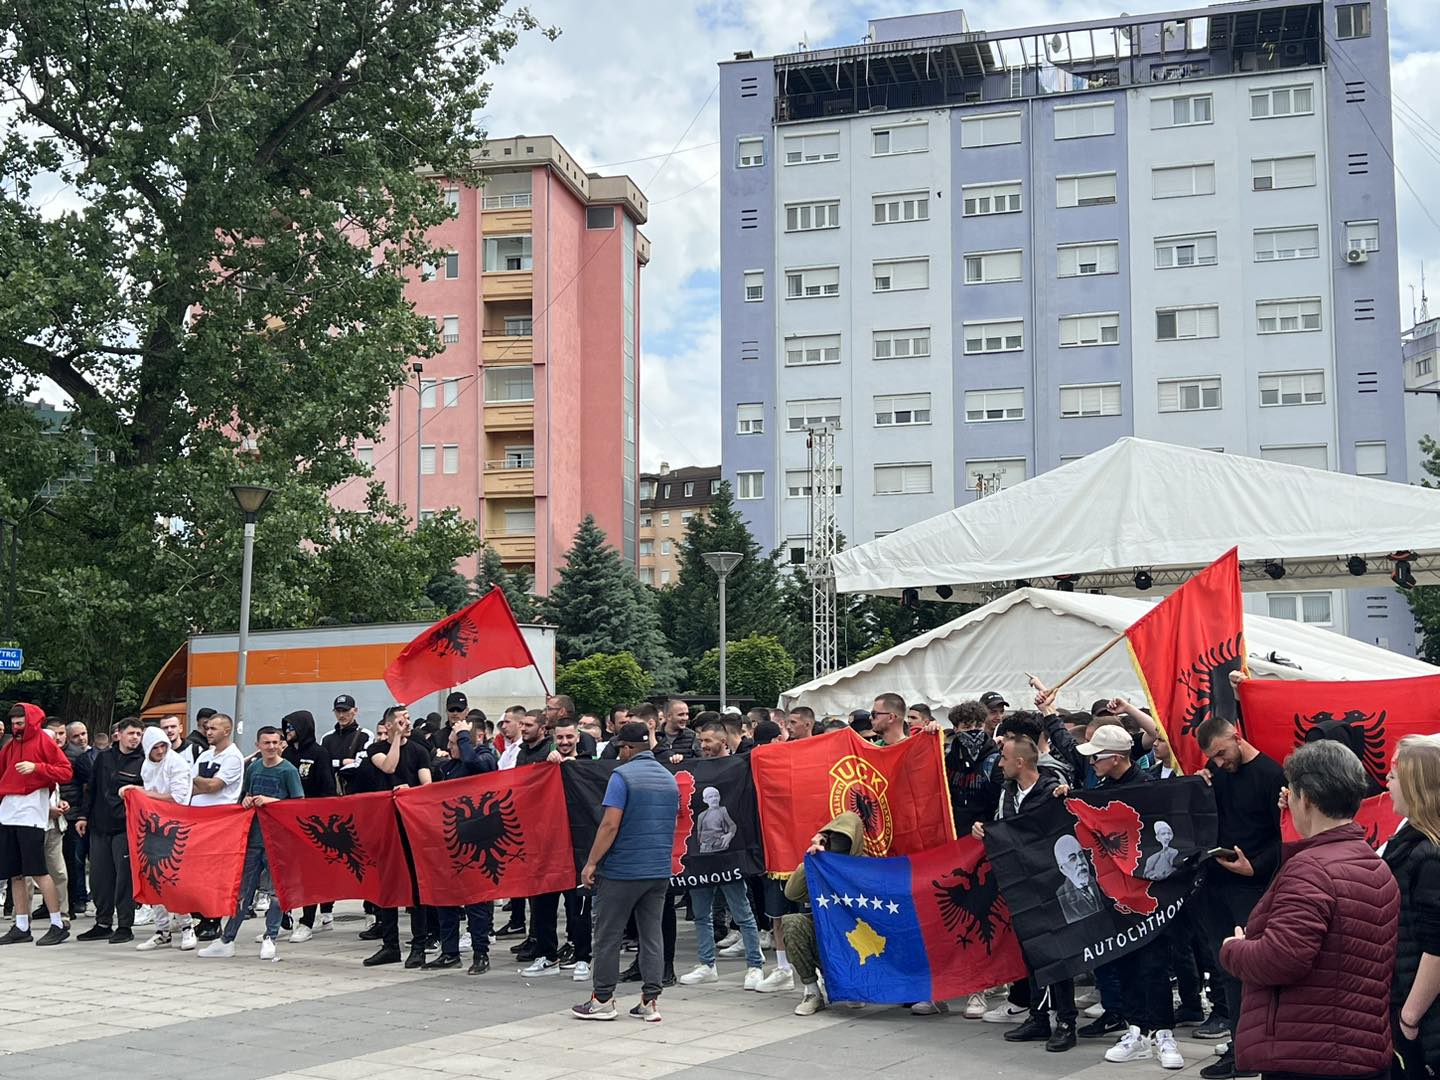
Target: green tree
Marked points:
517	585
1424	601
601	681
756	667
448	590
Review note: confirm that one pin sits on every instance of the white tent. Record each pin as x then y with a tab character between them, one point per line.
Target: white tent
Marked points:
1166	509
1048	634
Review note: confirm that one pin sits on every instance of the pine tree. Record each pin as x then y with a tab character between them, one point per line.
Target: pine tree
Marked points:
517	585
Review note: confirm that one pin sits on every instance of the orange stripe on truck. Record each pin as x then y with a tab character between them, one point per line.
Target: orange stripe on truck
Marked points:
279	667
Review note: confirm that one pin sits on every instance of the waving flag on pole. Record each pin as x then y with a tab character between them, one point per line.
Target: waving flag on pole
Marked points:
480	637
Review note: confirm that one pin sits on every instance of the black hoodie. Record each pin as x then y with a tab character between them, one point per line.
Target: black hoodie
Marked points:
317	777
104	810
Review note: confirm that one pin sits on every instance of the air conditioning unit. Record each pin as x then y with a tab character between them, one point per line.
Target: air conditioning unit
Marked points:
1356	256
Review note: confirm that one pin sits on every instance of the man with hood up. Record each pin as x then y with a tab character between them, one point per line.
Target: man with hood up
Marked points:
845	835
165	775
317	779
30	765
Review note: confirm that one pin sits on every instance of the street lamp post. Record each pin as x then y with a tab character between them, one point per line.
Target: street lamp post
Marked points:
251	499
722	562
417	368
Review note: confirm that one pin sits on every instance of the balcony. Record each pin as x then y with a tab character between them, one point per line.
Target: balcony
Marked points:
510	477
507	285
505	348
507	220
512	548
510	416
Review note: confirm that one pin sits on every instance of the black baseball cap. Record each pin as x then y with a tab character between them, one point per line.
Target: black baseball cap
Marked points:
1101	708
991	698
457	702
343	702
635	733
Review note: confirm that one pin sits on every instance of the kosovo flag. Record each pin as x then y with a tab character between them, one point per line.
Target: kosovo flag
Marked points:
923	927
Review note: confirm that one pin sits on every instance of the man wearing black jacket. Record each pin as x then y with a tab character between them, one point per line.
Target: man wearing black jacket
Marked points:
74	846
674	741
346	744
103	821
317	780
535	745
467	758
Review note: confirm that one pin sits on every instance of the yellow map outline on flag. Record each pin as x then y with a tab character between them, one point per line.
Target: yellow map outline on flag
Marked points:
865	941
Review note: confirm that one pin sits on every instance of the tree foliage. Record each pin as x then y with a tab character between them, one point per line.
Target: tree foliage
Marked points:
517	585
601	681
756	667
1425	600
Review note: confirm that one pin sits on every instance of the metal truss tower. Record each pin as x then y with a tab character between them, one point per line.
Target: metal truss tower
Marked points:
823	545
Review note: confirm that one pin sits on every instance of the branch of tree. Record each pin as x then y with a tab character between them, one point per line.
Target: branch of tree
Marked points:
57	368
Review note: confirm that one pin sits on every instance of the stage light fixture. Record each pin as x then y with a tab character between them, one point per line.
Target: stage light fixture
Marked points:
1402	575
910	598
1274	569
1143	580
1065	582
1356	565
944	592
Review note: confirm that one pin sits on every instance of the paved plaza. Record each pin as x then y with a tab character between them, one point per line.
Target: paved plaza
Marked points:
81	1011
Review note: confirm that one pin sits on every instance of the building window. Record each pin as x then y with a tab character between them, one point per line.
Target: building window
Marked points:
689	488
685	516
647	489
450	459
808	217
1173	252
599	217
714	487
520	522
1424	366
507	253
1362	235
994	474
665	547
984	406
1086	260
981	199
1179	181
903	479
1293	388
1182	111
452	199
1181	323
797	483
665	576
509	384
812	282
901	410
427	460
1083	121
1370	459
1282	101
519	457
647	521
902	275
749	485
1316	456
1008	336
519	326
1287	316
814	349
450	392
993	129
1273	174
452	265
1094	189
901	139
365	455
1189	395
1352	20
987	267
754	286
664	518
797	550
1311	608
750	152
1096	400
665	494
1077	330
1276	245
903	206
450	329
801	415
750	419
888	344
647	548
812	148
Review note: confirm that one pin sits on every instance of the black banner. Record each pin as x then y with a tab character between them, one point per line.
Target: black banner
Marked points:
718	816
1097	874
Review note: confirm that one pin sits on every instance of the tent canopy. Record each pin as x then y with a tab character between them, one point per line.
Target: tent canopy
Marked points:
1048	633
1168	509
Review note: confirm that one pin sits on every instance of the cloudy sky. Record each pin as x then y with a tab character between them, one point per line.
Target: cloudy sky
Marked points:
634	81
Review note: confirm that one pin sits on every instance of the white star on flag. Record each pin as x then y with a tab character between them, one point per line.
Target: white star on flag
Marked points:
834	899
893	907
823	900
846	900
864	900
875	903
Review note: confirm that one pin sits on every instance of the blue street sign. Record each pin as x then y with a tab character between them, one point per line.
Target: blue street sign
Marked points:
12	659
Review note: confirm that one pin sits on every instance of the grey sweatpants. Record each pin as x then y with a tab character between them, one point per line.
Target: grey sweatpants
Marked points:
614	902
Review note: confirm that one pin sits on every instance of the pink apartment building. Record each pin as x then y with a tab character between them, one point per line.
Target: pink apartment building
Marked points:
530	418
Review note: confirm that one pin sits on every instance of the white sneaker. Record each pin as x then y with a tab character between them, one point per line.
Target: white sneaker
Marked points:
218	948
810	1004
464	943
778	980
187	940
1005	1013
732	951
767	939
702	973
581	971
144	915
1166	1050
262	903
154	941
929	1008
729	939
301	933
541	966
267	949
976	1007
259	937
327	922
754	977
1221	1049
1133	1046
1094	1012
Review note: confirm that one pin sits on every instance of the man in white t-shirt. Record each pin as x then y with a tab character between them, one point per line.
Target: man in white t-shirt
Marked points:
31	764
221	768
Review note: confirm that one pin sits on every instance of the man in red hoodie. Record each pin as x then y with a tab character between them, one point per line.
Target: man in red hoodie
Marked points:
30	765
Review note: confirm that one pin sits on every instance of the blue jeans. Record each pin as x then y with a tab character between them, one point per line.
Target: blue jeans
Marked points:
256	868
702	899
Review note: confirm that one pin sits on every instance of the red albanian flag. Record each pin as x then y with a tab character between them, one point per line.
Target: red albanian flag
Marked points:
478	638
489	836
1376	816
187	858
336	849
898	791
1184	650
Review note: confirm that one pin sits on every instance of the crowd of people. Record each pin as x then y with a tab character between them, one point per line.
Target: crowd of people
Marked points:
1319	958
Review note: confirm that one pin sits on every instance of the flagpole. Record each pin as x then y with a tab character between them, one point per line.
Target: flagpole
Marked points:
1101	652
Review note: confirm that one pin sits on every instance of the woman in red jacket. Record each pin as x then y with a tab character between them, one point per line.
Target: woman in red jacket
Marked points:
1317	956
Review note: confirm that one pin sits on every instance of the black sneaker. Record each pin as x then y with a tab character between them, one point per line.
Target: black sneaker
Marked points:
566	956
14	936
121	936
480	965
669	977
205	933
96	933
54	935
374	933
1216	1027
1062	1040
631	973
386	955
1189	1017
1034	1029
416	959
528	943
1224	1068
1107	1024
513	930
440	963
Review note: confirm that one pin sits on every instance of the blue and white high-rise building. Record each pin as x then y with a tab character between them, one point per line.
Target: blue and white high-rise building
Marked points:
985	253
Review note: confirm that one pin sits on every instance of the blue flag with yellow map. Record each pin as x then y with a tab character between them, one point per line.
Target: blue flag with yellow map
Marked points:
923	927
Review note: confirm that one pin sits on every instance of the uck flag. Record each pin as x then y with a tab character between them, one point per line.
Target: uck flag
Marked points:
336	849
1094	876
489	836
1184	650
898	791
187	858
717	828
1368	716
478	638
922	927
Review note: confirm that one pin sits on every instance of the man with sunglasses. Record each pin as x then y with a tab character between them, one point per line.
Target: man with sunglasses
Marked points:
887	720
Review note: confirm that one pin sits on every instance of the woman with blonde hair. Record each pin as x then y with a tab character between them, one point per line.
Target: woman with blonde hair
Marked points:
1413	855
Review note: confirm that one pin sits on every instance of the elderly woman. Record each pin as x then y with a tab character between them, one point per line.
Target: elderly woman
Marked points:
1414	856
1318	954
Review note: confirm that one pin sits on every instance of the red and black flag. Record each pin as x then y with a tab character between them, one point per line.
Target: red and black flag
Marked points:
186	858
1376	816
899	792
478	638
1184	650
493	835
1094	876
336	849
